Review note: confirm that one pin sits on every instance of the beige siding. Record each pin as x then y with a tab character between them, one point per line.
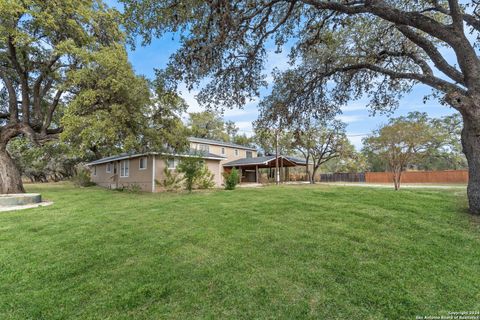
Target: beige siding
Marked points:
213	166
102	178
229	154
142	178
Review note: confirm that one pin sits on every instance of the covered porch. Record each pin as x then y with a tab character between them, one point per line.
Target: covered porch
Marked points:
263	169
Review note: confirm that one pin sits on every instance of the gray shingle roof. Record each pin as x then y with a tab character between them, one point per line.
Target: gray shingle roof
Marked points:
220	143
262	160
122	156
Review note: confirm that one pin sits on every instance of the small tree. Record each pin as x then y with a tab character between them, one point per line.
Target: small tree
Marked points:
320	143
173	180
402	141
205	179
231	179
191	168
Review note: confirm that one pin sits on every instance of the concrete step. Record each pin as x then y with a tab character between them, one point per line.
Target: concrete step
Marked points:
19	199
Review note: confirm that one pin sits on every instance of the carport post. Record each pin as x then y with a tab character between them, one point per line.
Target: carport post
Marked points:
256	173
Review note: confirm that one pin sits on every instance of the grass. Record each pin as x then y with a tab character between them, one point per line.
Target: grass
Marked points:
295	252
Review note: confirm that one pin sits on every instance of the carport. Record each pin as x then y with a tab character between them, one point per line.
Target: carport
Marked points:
249	167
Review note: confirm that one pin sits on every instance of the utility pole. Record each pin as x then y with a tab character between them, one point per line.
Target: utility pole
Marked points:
277	174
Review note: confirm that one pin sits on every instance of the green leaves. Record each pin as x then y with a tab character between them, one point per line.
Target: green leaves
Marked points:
194	171
418	141
118	111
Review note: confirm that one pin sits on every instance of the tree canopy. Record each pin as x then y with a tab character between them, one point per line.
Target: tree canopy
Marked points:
403	141
64	70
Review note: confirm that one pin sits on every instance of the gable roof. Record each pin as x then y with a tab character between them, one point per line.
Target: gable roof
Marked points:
220	143
191	153
262	160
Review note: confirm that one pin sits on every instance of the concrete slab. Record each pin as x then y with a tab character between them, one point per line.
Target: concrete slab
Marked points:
18	199
26	206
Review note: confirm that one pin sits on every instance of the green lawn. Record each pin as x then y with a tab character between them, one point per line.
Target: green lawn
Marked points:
294	252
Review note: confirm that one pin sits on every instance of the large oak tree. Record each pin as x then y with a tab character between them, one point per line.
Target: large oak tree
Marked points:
41	44
376	47
64	70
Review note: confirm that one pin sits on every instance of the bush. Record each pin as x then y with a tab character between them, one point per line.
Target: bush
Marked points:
195	173
133	188
231	179
205	179
173	180
82	178
191	168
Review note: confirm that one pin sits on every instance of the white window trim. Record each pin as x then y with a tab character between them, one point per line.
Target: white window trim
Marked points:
223	151
140	162
237	153
123	171
108	168
175	164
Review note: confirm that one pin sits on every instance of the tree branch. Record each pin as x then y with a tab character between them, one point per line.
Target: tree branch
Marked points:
433	53
12	97
37	91
51	110
456	14
387	12
23	80
430	80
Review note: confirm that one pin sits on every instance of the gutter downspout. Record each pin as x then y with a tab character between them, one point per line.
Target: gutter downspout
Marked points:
153	173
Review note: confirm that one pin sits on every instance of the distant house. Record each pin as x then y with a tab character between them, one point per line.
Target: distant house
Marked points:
144	169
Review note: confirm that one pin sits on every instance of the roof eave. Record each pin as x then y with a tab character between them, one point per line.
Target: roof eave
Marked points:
100	161
219	143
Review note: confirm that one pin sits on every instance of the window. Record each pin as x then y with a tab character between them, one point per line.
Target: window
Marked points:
109	168
236	152
172	163
94	170
223	151
249	154
204	147
124	166
142	165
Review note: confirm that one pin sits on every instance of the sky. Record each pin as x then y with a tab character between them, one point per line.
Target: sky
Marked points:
358	118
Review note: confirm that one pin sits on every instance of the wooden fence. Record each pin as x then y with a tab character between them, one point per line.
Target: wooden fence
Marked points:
342	177
447	176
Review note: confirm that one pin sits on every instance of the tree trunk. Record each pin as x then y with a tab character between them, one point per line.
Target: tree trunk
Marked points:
471	149
10	177
314	171
397	176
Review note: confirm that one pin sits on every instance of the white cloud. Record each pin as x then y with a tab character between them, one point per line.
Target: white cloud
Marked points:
245	127
354	106
350	118
189	97
356	141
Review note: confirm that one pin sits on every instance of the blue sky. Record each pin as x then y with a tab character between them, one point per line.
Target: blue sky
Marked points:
355	114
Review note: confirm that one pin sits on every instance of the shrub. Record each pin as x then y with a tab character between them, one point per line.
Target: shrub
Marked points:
205	179
191	168
231	179
133	188
82	178
173	180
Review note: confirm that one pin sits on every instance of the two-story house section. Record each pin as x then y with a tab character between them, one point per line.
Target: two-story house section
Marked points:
146	170
229	151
